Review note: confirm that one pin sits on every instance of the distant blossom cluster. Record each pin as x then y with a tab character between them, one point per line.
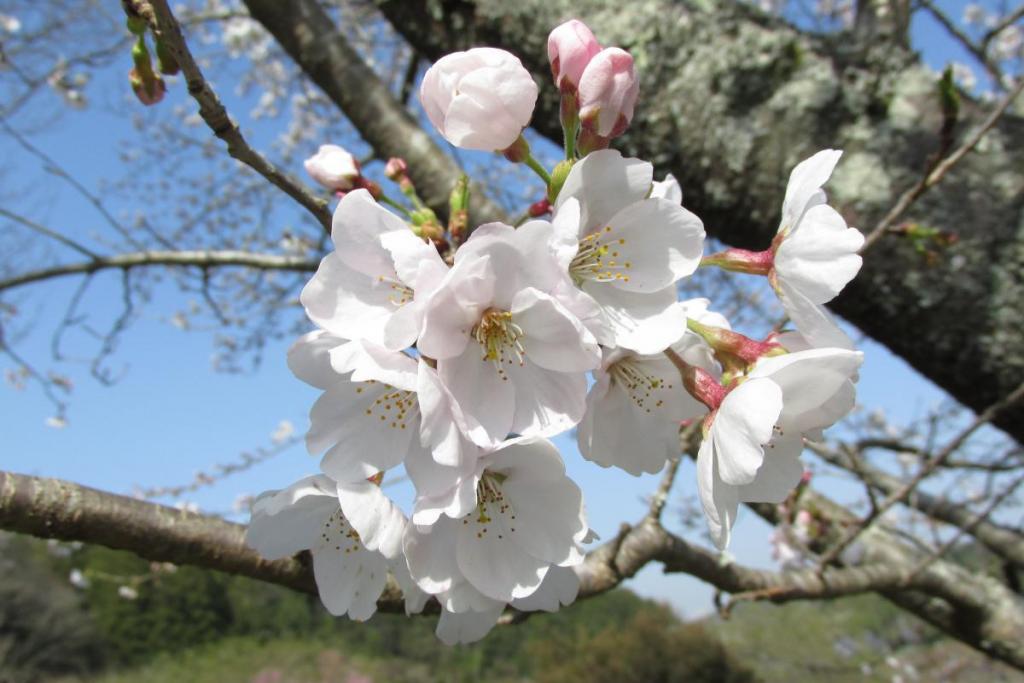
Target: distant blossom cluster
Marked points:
457	353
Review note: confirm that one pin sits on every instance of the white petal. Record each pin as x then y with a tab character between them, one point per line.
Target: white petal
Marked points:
370	362
717	498
378	521
779	473
553	338
812	320
349	583
430	555
546	402
442	423
657	243
491	559
412	256
808	380
804	187
559	588
309	358
486	400
644	322
415	599
287	521
668	189
456	306
603	182
467	627
346	302
360	442
636	427
547	518
820	256
742	425
359	221
526	459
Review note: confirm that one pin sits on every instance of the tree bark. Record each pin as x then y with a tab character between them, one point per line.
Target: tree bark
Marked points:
731	100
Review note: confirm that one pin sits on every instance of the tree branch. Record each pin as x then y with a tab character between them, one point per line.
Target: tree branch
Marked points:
51	508
1001	540
216	117
199	259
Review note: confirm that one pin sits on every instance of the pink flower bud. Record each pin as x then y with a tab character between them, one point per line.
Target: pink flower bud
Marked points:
395	168
479	99
570	48
608	91
334	168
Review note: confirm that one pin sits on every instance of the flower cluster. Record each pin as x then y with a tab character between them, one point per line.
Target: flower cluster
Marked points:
457	358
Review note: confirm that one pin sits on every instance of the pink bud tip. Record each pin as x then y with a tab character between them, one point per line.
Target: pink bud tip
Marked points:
571	46
608	92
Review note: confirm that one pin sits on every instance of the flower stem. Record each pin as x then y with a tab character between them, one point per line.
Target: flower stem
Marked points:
393	204
536	167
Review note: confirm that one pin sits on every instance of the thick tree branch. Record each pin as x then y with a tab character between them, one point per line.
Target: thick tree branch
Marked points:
50	508
198	259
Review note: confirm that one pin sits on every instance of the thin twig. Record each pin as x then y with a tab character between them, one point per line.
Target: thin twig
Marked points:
969	527
52	234
984	418
200	259
217	119
941	169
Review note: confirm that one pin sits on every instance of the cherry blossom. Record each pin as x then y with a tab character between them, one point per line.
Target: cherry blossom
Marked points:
479	99
608	91
751	451
376	282
521	515
334	168
512	356
626	250
817	253
307	516
637	402
571	46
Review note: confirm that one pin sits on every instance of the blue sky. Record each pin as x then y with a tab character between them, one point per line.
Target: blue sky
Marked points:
170	415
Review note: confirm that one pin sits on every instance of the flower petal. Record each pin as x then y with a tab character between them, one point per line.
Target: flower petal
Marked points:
718	499
652	243
743	424
378	521
603	182
820	256
804	187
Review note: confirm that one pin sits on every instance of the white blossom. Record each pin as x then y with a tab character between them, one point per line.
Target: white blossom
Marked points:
626	250
308	516
752	450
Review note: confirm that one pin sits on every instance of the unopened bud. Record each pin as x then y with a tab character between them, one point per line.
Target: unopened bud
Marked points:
558	176
166	62
395	168
150	90
539	208
334	168
608	91
518	151
571	46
